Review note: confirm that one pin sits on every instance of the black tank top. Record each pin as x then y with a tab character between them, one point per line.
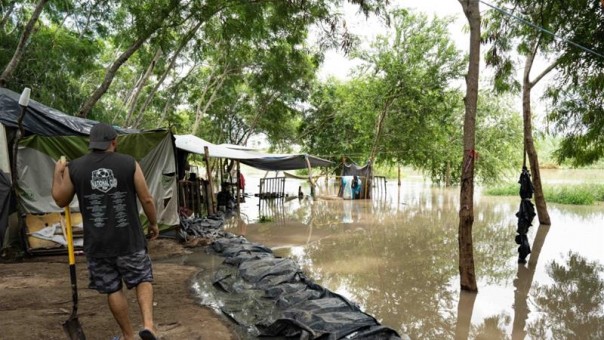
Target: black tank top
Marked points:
104	184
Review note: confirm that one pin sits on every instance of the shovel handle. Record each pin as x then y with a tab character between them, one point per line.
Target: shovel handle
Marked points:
69	236
68	230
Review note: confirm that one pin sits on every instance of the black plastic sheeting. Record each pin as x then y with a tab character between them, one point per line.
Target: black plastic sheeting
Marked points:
42	120
271	297
352	169
5	204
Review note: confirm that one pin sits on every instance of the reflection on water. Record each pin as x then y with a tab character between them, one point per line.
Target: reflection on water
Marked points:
397	257
572	307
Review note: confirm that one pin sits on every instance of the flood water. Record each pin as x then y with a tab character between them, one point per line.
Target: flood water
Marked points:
396	256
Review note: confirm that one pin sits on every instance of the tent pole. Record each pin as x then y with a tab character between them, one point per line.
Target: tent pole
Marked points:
209	174
238	184
23	104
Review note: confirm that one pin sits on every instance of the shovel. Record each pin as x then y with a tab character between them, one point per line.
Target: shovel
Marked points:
72	326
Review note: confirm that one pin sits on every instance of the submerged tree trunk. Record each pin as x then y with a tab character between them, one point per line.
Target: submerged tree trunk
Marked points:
27	32
529	145
467	274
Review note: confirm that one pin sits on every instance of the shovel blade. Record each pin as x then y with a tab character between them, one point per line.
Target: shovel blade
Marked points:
73	329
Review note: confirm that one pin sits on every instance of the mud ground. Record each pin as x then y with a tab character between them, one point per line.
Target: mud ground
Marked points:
35	299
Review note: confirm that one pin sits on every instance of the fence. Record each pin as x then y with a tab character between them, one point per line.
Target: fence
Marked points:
272	188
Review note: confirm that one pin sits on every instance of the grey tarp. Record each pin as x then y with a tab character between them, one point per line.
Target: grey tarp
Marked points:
258	160
270	296
42	120
366	174
153	150
5	200
49	133
351	169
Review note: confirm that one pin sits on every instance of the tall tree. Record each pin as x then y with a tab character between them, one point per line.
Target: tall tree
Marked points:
467	274
25	35
576	92
556	32
148	22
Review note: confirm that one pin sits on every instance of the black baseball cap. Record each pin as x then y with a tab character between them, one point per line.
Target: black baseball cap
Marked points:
101	136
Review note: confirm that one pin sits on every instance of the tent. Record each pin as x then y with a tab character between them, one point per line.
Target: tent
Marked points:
262	161
351	170
48	134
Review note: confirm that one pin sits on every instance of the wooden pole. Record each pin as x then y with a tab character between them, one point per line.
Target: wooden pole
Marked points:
209	174
238	183
310	180
399	175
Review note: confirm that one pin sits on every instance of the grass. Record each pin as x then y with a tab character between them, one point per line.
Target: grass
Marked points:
563	194
265	219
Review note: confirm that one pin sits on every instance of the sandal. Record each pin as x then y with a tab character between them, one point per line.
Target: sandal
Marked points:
146	334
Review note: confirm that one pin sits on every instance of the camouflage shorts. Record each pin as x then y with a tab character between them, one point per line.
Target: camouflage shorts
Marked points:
106	274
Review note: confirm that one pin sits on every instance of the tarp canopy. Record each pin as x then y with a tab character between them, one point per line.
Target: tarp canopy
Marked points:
42	120
262	161
152	149
49	133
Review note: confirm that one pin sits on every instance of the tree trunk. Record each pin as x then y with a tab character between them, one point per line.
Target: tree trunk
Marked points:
215	84
133	99
182	45
174	88
529	145
9	11
112	70
379	126
467	274
27	31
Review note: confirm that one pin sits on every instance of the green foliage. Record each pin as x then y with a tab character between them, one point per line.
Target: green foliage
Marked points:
510	189
406	79
575	91
562	194
230	68
265	219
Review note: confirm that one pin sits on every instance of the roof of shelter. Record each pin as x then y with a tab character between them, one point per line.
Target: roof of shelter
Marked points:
259	160
43	120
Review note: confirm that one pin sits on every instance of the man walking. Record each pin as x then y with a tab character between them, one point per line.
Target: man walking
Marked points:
108	184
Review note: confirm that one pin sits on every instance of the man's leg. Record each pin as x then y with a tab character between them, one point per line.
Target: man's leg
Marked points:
119	308
144	295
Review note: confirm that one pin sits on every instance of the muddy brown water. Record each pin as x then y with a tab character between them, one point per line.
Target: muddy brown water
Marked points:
396	256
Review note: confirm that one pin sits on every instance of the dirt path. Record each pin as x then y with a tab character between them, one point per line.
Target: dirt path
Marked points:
35	299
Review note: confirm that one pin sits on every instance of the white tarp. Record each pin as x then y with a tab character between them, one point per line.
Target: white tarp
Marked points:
196	145
263	161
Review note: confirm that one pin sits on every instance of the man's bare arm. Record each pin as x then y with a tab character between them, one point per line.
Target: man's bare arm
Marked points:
62	187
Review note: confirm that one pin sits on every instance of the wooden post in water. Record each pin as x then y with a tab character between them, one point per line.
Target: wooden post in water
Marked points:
209	174
399	175
312	183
